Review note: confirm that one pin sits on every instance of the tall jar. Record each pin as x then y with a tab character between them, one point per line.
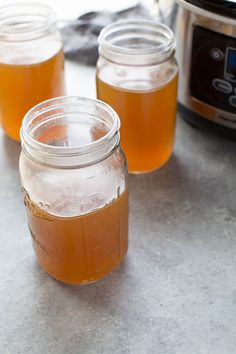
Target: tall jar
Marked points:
31	62
74	179
137	75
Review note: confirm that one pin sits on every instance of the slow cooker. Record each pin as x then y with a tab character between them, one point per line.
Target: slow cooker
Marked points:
206	52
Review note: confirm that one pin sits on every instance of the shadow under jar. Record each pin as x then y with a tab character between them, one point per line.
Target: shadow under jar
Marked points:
137	75
74	180
31	62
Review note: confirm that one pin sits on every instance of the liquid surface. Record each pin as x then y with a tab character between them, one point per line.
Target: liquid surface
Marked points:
80	249
147	121
25	85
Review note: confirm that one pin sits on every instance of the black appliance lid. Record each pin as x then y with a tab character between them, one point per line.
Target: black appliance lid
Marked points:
222	7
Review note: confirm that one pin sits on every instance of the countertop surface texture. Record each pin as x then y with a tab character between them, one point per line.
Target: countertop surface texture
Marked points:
175	293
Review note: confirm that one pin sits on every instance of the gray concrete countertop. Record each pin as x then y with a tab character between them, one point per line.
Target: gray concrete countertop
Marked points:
175	293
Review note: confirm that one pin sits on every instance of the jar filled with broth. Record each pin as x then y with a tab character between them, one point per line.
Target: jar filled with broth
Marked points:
31	62
137	75
74	180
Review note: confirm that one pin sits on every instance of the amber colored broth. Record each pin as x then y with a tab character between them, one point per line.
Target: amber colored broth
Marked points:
147	122
24	86
80	249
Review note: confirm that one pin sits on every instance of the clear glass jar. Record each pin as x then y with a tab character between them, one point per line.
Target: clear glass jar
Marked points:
31	62
74	179
137	75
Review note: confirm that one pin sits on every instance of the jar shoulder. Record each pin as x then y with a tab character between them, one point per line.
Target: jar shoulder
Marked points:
31	52
73	192
136	77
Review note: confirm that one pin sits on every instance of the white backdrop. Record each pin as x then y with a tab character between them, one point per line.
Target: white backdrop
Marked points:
71	9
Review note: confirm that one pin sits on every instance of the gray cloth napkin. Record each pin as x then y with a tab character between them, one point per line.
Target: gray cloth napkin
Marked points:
80	37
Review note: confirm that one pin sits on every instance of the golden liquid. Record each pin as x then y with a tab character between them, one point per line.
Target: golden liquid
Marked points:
147	122
24	86
80	249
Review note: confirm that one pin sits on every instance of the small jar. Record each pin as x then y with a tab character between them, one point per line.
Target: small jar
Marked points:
74	179
137	75
31	62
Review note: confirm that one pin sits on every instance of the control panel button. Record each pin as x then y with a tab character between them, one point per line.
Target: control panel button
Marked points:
222	86
232	101
217	54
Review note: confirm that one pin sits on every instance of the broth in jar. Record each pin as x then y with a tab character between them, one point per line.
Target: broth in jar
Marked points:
74	179
148	120
31	62
80	249
137	75
24	85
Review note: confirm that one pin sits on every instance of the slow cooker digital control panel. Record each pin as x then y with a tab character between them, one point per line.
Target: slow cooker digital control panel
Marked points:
213	69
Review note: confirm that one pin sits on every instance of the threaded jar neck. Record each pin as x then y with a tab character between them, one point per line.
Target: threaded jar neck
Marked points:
26	21
70	132
137	42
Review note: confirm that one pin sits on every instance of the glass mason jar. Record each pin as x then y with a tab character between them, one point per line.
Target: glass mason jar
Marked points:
74	179
137	75
31	62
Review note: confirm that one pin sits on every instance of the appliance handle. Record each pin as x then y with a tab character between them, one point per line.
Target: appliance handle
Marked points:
199	11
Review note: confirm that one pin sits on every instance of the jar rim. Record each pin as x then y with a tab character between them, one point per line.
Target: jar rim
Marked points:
153	42
26	21
45	152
